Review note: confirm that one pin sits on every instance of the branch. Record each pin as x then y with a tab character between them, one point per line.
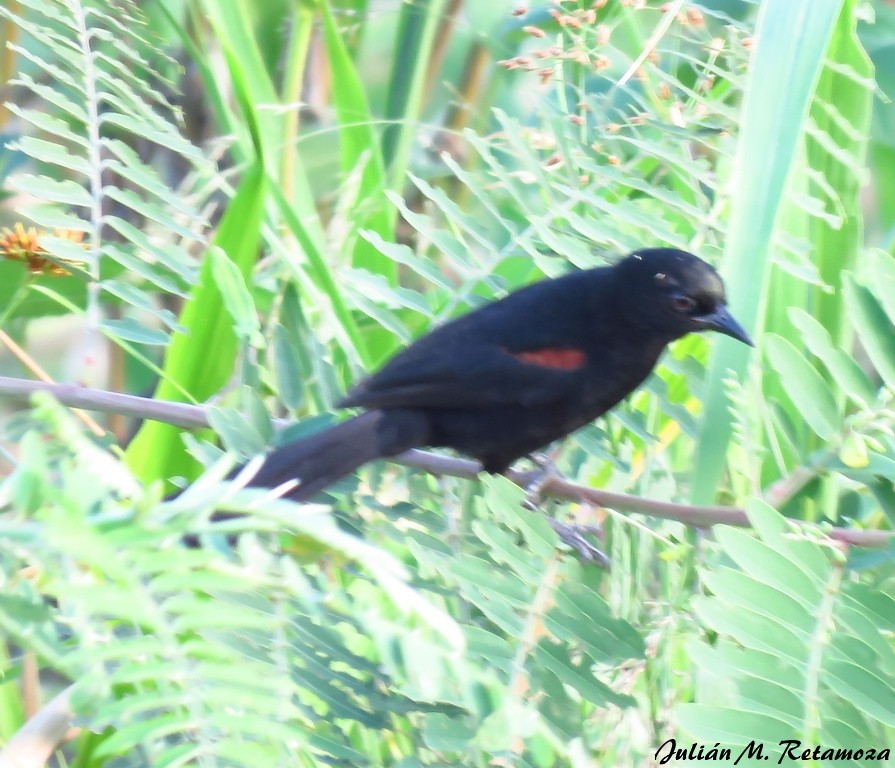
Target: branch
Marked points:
196	416
31	364
558	488
76	396
35	742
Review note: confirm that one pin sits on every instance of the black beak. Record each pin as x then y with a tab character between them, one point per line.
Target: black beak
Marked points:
723	322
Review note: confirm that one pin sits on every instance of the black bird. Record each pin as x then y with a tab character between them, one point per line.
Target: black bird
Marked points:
510	377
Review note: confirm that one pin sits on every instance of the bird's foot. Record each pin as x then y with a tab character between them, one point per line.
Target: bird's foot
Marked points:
541	477
574	537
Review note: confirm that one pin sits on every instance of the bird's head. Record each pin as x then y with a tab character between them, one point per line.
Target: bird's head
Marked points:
675	292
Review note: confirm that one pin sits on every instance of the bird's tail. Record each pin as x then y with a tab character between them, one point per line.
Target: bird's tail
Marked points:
318	461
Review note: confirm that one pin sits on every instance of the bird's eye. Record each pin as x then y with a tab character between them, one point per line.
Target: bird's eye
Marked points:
683	303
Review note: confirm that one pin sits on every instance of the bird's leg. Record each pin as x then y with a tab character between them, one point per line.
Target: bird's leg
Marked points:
573	535
545	472
570	534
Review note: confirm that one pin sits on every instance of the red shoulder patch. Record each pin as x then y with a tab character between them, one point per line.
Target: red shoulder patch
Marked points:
555	358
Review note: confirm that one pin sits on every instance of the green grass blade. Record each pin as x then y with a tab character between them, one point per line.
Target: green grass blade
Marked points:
416	36
201	361
359	145
232	25
842	110
253	84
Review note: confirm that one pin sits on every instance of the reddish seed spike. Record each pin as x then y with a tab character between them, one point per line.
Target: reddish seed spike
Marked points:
555	358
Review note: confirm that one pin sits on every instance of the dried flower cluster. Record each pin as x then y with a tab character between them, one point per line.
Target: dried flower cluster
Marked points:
21	244
582	35
692	16
578	22
586	34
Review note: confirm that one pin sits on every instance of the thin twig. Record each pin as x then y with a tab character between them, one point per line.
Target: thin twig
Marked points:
195	416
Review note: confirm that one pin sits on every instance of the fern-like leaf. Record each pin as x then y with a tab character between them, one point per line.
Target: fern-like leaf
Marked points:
96	69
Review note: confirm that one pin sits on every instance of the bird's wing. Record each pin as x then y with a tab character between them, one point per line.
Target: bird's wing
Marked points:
474	375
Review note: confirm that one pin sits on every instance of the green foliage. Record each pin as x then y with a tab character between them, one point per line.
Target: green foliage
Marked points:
214	317
410	620
303	654
92	90
825	677
801	156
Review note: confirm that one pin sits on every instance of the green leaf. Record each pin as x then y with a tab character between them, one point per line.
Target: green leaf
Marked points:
417	35
578	675
159	134
806	389
446	734
873	327
52	217
864	689
51	190
236	433
581	616
50	152
767	565
727	725
504	501
880	270
251	80
130	330
235	297
842	367
288	369
134	297
326	283
151	211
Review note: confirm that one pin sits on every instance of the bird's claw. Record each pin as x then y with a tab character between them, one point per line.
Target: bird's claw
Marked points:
574	536
534	489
